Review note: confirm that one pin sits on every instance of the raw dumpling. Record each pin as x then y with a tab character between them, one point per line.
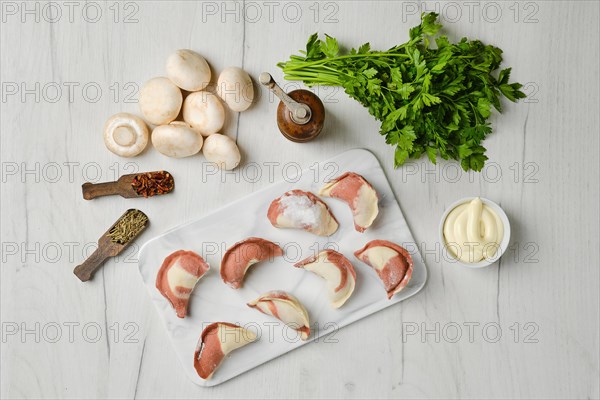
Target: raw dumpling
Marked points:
239	257
218	340
302	210
178	276
285	308
358	194
337	270
392	262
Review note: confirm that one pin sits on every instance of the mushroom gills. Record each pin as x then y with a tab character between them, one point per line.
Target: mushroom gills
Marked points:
125	134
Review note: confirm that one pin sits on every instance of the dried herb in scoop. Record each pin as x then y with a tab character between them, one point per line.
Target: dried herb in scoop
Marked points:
433	100
128	227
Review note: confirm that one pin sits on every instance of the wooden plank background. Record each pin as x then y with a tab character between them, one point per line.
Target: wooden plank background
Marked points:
526	327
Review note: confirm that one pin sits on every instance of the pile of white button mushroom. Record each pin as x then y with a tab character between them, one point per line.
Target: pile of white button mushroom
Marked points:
161	100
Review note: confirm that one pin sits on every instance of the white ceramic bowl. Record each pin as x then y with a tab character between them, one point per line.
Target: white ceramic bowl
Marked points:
503	245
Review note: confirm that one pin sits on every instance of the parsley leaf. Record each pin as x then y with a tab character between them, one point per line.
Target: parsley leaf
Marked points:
330	46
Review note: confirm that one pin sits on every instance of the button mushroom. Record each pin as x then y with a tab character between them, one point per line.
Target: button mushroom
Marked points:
160	101
177	140
125	134
204	112
188	70
235	88
221	150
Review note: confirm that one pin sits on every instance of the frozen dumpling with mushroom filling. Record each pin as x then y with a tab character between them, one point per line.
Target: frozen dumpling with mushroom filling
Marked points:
302	210
337	270
178	276
285	308
392	262
218	340
242	255
358	194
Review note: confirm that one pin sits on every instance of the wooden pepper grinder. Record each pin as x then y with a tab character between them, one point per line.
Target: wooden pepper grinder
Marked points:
300	113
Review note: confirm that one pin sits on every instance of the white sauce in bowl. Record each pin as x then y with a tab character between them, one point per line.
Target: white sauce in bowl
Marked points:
473	232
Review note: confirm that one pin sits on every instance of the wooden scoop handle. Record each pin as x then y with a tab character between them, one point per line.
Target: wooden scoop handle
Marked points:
93	190
88	268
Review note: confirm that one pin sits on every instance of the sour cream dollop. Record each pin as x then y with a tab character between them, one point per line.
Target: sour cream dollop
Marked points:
473	232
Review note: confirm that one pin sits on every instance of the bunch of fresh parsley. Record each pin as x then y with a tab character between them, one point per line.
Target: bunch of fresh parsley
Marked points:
433	100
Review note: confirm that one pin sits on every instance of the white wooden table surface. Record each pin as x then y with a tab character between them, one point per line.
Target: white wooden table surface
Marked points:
524	328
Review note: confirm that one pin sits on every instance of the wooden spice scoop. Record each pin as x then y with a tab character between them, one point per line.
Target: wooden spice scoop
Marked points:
125	188
113	242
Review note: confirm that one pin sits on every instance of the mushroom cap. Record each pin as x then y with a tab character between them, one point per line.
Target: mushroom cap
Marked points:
222	150
188	70
235	88
204	112
160	100
176	139
125	134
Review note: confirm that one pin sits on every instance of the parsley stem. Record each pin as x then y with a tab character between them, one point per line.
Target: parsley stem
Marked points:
301	65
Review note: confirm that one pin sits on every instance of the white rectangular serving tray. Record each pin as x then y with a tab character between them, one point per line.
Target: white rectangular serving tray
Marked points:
213	301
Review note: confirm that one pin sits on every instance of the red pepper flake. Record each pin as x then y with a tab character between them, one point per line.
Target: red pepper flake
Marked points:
149	184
